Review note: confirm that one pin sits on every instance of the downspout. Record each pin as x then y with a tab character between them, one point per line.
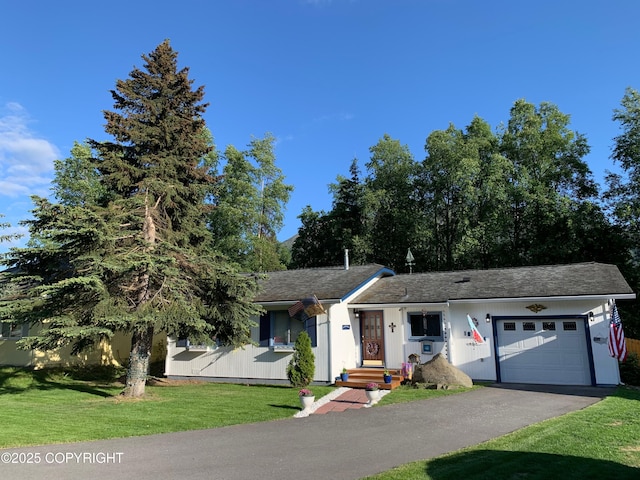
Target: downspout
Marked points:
448	343
330	353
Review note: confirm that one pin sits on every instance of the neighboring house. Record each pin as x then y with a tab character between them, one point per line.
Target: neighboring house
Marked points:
543	324
115	352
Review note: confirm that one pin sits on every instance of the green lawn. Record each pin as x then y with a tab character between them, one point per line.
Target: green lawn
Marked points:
405	394
51	407
599	442
40	407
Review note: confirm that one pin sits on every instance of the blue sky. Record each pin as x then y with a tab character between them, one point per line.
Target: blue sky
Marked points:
328	78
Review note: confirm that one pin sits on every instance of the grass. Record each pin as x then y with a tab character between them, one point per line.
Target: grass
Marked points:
405	393
601	441
56	406
43	407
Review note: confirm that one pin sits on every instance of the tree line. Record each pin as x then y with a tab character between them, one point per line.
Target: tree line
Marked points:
520	195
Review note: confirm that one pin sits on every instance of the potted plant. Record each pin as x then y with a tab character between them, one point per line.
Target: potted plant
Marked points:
373	392
306	398
344	376
387	376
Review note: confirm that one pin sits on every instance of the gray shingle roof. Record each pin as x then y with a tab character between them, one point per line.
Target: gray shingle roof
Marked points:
540	281
325	283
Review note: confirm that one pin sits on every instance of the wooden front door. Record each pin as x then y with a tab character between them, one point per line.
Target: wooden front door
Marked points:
372	329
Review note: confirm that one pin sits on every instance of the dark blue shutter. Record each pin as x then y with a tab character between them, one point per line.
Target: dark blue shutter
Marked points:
310	328
265	329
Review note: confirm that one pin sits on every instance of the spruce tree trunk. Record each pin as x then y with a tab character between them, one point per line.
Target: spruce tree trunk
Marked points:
142	340
141	344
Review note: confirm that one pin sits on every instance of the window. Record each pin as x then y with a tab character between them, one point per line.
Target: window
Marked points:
509	326
278	328
569	326
529	326
13	331
428	324
548	325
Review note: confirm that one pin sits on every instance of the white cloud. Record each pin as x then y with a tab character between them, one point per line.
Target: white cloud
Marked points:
285	138
26	162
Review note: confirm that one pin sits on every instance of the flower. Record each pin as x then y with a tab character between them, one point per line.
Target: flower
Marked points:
386	372
305	392
372	386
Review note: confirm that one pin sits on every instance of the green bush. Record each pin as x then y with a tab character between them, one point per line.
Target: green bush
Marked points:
630	370
302	367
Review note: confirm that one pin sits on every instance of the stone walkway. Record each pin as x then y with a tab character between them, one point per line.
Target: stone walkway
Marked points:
340	400
352	398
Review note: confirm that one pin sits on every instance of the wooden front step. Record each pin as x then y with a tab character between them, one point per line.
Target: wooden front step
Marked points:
360	377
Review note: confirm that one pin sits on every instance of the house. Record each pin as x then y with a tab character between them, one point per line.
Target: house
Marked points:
114	352
539	325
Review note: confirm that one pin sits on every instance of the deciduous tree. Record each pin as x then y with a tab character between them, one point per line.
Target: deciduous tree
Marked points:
549	176
77	180
249	206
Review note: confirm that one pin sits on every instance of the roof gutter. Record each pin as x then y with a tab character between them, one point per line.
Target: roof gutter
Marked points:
288	303
398	305
606	296
615	296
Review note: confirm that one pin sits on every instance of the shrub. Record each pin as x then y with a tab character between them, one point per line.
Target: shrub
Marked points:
630	370
302	367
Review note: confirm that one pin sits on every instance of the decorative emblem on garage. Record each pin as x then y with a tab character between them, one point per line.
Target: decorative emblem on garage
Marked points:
536	307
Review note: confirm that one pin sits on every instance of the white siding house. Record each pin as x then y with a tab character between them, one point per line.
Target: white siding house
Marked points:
546	325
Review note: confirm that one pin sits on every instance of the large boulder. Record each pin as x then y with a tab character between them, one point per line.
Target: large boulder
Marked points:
438	371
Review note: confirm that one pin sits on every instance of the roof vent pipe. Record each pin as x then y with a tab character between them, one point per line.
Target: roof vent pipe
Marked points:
346	259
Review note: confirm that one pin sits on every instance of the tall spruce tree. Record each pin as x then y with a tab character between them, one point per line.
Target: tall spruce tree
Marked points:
323	237
140	261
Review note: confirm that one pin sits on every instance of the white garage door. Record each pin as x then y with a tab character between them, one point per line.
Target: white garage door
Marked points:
545	351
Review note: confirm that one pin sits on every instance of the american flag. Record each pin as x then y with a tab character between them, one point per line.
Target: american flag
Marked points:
617	345
295	308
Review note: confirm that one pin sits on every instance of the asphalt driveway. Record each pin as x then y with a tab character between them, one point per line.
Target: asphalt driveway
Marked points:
346	445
